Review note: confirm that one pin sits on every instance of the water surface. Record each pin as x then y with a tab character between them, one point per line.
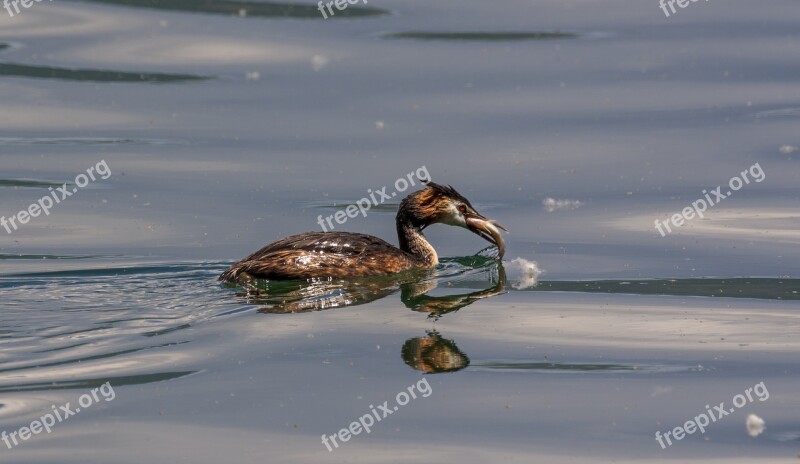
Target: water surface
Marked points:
230	124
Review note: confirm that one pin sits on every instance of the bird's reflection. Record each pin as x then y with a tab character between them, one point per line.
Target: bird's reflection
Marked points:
415	296
433	354
279	297
430	354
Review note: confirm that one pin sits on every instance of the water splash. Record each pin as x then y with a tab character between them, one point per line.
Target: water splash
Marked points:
755	425
552	205
529	273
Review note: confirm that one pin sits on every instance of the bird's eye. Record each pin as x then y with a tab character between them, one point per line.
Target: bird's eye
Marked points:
463	209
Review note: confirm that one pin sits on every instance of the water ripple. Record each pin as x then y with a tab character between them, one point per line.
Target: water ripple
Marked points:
85	141
244	9
482	36
93	75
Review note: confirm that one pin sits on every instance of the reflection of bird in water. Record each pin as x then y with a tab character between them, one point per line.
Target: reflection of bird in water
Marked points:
317	295
415	295
345	255
429	354
433	354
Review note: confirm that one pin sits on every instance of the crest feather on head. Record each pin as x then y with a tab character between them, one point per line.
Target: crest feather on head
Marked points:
436	191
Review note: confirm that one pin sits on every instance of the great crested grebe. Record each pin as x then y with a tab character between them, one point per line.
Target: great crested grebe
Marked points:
346	254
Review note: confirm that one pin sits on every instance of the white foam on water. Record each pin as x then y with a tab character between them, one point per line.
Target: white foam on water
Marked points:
755	425
551	205
529	272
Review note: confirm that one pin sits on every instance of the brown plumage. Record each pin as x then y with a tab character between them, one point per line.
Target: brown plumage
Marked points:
346	254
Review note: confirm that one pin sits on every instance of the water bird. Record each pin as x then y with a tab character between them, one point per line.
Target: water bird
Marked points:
346	254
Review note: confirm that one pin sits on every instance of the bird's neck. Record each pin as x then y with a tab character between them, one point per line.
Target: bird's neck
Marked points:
414	242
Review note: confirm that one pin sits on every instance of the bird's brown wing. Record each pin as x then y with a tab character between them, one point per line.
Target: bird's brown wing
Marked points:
320	255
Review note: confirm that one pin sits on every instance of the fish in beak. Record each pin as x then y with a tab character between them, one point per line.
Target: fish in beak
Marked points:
487	229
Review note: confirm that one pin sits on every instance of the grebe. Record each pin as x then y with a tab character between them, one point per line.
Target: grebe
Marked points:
345	254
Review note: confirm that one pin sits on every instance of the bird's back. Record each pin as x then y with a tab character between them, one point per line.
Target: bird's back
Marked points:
320	255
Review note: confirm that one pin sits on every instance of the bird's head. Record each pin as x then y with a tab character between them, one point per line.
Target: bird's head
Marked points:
443	204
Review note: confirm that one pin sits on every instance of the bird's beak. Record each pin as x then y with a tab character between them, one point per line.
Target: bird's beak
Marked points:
487	229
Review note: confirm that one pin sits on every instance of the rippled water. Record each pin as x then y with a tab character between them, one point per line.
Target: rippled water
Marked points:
230	124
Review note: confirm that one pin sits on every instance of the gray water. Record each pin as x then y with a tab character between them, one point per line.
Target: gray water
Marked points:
225	125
